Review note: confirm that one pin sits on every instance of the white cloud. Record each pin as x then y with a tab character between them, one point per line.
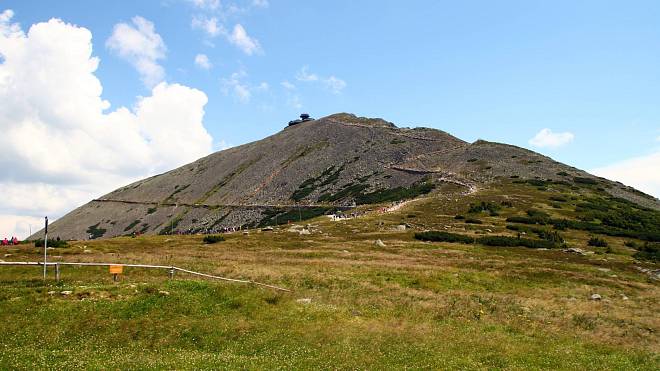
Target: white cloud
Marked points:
263	86
60	146
304	75
202	61
260	3
206	4
235	85
237	37
294	101
19	226
6	27
641	172
243	41
546	138
332	83
287	85
140	45
208	25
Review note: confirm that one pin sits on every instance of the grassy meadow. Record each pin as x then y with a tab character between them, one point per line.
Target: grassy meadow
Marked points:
354	304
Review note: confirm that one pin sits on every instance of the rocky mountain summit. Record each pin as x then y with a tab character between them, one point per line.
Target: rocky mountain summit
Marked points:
313	168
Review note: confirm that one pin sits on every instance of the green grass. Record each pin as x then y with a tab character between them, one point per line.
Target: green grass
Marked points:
354	305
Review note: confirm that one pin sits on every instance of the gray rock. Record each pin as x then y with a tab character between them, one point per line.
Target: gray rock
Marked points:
380	243
574	250
596	297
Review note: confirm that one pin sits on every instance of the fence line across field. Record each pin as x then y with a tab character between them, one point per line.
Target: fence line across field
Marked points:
171	268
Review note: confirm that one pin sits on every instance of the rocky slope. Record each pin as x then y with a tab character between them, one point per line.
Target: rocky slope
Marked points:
309	169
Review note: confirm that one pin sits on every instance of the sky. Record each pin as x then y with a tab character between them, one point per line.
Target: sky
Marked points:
96	94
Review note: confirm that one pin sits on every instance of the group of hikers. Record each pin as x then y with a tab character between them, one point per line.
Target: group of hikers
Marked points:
12	241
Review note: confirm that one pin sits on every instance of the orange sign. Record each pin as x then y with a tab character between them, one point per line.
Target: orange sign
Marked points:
116	269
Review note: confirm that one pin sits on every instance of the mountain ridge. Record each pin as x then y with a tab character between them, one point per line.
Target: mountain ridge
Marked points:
333	162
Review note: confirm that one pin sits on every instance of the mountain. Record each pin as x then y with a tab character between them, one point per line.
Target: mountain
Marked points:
315	167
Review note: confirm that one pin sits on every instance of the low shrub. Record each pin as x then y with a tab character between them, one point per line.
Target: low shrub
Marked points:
597	242
213	239
506	241
649	251
587	181
52	242
95	232
459	217
631	244
440	236
484	206
473	221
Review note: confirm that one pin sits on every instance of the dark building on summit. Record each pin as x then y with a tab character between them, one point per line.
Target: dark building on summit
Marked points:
303	118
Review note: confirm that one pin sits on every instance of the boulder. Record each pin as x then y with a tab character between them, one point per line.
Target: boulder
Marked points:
380	243
574	250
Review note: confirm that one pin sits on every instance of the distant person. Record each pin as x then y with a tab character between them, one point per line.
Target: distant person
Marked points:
5	242
15	241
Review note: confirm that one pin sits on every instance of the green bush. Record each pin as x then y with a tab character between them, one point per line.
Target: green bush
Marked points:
649	251
473	221
587	181
631	244
484	206
52	242
597	242
440	236
213	239
506	241
533	217
133	224
95	232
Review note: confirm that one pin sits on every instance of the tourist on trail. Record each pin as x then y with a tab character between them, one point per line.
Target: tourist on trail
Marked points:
5	242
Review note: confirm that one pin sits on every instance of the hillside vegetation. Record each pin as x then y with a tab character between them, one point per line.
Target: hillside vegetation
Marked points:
521	289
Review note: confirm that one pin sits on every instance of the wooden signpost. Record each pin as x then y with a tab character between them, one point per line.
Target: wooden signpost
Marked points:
116	270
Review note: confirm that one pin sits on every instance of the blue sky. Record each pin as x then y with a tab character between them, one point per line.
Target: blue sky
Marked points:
586	71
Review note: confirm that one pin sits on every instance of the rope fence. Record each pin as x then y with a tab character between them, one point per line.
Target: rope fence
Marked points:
172	269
